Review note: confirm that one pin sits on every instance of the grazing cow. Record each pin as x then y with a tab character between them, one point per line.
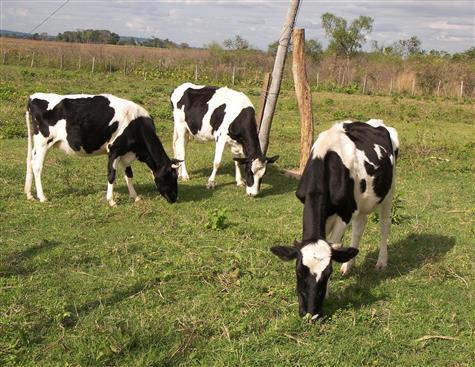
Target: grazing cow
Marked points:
350	173
227	116
87	125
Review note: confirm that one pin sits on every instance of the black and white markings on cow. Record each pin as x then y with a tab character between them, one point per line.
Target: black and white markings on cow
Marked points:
350	173
223	115
96	124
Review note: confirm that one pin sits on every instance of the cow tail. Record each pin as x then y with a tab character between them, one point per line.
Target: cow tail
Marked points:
30	138
29	168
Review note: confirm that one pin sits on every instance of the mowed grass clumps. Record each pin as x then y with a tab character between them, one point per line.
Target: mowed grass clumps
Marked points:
194	283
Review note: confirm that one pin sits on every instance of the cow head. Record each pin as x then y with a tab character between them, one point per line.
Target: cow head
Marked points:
255	170
313	269
166	180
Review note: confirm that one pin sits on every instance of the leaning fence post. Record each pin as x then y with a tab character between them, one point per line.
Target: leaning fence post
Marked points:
32	59
461	89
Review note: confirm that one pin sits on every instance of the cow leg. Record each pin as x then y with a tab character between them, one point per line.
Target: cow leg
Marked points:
338	228
238	153
39	153
218	154
385	227
128	176
358	226
112	170
179	143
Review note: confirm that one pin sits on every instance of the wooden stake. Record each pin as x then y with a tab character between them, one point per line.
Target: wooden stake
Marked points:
413	86
277	72
304	96
196	72
438	88
110	66
391	87
79	63
32	59
61	62
4	57
318	78
364	83
232	78
263	99
461	89
93	64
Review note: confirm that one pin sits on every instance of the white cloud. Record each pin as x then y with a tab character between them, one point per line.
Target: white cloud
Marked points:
444	25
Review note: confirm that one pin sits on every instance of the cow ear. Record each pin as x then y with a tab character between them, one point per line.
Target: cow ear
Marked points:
285	253
176	163
241	160
272	159
343	254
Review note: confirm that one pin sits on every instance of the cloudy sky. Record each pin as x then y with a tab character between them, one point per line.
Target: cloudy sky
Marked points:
440	24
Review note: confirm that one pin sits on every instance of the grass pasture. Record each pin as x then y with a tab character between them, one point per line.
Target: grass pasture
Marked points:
148	284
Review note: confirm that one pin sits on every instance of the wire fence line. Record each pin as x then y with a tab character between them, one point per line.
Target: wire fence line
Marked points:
355	77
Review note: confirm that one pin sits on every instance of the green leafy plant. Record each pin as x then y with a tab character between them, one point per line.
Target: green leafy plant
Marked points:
216	219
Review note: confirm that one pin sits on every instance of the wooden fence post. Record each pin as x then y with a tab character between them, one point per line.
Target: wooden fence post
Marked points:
32	59
304	96
391	87
93	64
79	63
364	83
461	89
196	72
232	78
263	99
413	86
438	88
4	60
61	62
318	78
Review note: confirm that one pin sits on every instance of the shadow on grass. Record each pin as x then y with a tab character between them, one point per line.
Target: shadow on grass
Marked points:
405	256
17	263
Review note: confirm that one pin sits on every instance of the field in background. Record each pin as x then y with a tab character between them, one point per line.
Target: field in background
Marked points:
149	284
374	74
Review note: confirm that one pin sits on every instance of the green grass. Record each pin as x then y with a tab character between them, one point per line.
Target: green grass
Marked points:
148	284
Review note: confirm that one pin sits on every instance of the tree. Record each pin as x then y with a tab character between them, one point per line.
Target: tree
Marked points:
238	43
346	40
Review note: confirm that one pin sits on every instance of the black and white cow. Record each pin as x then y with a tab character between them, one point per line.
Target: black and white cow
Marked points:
223	115
351	172
87	125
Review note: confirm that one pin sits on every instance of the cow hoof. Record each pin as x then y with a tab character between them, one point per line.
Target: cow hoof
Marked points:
43	200
380	265
112	203
241	183
211	185
30	197
137	198
185	178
